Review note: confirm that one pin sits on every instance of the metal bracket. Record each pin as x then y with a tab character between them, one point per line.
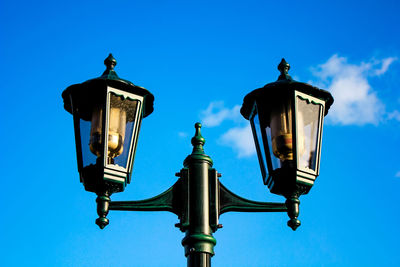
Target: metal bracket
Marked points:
232	202
166	201
172	200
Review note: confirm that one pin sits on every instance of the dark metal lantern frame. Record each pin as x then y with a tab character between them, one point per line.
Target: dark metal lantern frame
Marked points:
102	175
288	178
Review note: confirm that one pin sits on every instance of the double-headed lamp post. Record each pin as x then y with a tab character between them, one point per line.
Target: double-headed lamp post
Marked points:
286	118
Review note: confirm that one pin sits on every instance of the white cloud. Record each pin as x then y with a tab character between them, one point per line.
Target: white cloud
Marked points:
240	139
216	113
385	65
355	100
182	134
394	115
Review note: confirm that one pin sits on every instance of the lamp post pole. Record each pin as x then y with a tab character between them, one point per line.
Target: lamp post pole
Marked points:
199	242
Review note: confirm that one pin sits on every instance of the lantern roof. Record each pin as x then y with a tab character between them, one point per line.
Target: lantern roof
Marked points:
272	91
89	88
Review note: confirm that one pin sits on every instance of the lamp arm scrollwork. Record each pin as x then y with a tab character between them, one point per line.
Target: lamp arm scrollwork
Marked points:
166	201
232	202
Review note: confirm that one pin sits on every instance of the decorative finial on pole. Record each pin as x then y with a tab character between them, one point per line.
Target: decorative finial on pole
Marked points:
284	68
198	140
198	154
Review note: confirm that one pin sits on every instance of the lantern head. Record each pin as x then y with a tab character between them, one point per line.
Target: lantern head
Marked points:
107	115
286	118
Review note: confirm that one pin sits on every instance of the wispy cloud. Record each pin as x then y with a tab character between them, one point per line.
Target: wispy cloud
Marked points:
238	137
182	134
241	140
356	102
397	174
385	63
216	113
394	115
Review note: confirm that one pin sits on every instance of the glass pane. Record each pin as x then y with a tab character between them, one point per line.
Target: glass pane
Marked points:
255	124
308	114
122	119
276	163
280	132
96	132
88	157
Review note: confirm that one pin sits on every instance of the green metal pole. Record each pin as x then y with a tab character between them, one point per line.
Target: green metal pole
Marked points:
198	242
199	259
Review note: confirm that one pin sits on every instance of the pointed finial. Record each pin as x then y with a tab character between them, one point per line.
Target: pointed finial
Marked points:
110	62
292	204
198	141
284	68
103	203
110	73
198	154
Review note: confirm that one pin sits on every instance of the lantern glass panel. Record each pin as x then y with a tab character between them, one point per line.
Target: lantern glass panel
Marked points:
308	119
275	161
259	142
88	157
122	119
280	133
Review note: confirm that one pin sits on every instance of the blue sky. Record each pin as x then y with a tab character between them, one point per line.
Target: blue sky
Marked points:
199	59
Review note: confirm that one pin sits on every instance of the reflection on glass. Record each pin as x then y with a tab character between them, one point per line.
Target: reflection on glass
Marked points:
96	131
87	156
308	129
276	163
116	131
122	159
255	123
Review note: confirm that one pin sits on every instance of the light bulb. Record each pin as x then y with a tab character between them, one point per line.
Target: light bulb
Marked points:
281	132
116	132
96	132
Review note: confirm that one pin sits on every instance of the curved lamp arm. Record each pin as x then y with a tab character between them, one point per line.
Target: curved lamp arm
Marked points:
232	202
166	201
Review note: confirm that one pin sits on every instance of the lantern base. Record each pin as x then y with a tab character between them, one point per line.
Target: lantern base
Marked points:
287	180
97	178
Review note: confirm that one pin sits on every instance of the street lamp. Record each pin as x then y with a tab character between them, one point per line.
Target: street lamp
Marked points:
286	119
107	115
